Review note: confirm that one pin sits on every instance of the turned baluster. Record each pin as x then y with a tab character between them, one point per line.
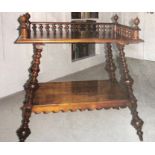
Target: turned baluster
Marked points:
113	32
66	28
130	34
30	88
136	31
97	27
136	122
34	27
47	27
41	29
75	27
103	29
54	28
60	28
110	66
109	31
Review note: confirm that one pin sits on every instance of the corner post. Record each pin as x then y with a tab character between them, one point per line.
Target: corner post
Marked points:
30	87
136	122
24	26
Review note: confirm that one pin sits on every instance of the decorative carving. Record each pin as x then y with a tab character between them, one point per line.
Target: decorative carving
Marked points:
136	122
30	88
136	31
136	22
28	23
110	66
24	29
72	108
116	18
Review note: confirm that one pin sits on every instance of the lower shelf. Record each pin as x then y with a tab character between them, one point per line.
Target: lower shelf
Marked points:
79	95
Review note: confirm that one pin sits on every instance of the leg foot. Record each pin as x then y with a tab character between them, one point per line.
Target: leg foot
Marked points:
137	123
23	133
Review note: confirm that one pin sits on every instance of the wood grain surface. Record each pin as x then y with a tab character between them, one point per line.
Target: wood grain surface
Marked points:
78	95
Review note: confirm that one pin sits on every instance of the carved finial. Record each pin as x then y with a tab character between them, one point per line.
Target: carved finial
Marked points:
23	19
27	15
23	27
116	18
136	22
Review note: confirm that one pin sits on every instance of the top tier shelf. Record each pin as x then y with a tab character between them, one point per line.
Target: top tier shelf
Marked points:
73	32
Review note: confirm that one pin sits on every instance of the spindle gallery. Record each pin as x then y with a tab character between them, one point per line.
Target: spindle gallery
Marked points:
79	95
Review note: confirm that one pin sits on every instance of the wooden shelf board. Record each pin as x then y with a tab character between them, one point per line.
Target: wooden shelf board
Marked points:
64	39
79	95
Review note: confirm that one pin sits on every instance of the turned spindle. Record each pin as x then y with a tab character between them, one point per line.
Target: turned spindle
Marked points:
47	27
110	65
60	28
66	28
41	29
54	28
34	27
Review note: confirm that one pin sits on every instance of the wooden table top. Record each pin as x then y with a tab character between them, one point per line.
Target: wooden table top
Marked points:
78	38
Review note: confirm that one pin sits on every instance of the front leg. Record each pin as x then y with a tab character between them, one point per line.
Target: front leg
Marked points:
136	122
30	87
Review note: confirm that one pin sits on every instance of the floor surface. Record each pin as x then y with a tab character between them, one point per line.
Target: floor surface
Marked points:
97	125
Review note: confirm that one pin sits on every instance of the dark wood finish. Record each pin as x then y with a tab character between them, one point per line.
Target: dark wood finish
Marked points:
72	96
128	82
110	66
79	95
30	88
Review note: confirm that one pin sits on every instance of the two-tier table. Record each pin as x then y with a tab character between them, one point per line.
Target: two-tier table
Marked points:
78	95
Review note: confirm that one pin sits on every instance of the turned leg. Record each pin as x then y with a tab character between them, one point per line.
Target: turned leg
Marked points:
136	122
110	66
30	87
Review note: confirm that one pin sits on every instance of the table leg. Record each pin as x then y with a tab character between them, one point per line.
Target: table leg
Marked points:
110	65
136	122
30	87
